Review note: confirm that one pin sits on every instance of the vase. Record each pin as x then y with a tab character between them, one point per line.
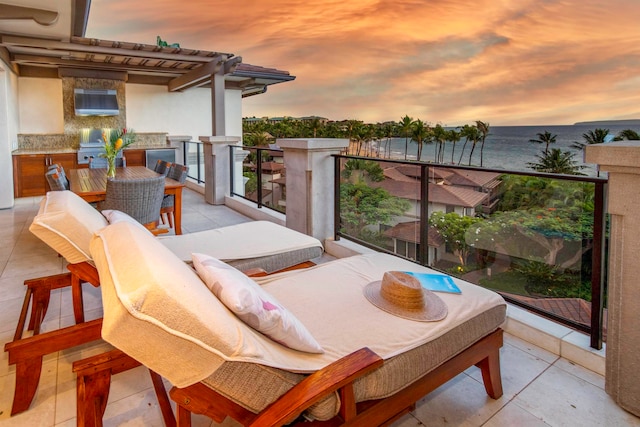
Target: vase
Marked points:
111	167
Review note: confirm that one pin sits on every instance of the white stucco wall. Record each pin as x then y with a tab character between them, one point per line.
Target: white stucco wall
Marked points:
8	132
152	108
40	105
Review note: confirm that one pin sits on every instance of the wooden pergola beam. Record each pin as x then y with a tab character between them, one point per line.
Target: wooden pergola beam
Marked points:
197	76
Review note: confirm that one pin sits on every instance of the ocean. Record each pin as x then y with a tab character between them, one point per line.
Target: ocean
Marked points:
508	147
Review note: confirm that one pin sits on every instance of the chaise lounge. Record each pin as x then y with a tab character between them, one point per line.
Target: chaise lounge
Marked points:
369	368
67	223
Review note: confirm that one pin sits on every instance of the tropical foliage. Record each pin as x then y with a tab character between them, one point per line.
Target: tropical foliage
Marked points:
373	140
557	161
362	206
453	227
545	138
596	136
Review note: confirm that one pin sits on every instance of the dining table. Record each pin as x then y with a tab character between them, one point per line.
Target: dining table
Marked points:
91	185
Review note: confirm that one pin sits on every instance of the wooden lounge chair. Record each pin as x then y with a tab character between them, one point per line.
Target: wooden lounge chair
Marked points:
67	223
374	367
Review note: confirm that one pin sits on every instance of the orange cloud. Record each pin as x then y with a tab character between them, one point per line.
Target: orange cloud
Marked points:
446	61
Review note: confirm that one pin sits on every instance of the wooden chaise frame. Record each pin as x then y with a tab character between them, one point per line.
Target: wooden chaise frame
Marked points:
94	373
93	377
27	352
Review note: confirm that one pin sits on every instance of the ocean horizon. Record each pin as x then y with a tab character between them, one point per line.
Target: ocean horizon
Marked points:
508	147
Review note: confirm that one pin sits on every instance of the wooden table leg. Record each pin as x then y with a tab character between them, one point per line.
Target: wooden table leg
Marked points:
178	210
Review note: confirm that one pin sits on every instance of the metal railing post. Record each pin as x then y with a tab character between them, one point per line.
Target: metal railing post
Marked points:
259	176
232	169
597	264
336	198
423	253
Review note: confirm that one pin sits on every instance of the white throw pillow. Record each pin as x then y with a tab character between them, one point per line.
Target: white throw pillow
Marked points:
116	216
253	305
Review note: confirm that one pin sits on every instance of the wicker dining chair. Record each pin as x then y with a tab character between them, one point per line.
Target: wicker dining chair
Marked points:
139	198
162	167
177	172
56	178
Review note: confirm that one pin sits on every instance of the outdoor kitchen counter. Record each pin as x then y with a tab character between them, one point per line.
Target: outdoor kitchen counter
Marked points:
21	151
45	150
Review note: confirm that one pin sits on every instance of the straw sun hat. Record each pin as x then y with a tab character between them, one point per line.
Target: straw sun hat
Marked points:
402	295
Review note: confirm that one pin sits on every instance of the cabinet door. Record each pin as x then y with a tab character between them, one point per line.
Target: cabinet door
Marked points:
28	175
29	170
66	160
135	157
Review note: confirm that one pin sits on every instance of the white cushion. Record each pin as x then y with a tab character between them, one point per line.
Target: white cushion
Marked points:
115	216
66	223
253	305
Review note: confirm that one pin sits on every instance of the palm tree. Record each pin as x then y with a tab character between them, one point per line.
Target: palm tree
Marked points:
474	140
439	137
315	125
557	161
545	138
420	135
470	133
453	136
592	137
406	125
389	131
483	128
628	134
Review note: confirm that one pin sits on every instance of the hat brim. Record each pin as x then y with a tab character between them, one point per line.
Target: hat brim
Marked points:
434	308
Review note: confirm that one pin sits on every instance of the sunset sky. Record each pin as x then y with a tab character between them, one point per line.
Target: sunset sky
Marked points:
506	62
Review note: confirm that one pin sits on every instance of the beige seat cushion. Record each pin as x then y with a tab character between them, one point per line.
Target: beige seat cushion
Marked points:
241	241
158	311
66	223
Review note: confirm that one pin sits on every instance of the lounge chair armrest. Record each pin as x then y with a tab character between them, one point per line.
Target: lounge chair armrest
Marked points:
317	385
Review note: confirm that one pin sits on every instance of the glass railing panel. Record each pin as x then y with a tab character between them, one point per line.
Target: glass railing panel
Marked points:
260	176
194	158
528	236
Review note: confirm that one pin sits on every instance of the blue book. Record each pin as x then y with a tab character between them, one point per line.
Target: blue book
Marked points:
436	282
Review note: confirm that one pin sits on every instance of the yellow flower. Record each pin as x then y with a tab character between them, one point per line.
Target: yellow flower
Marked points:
118	144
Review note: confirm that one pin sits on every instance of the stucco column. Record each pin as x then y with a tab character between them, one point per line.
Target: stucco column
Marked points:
217	167
309	183
622	376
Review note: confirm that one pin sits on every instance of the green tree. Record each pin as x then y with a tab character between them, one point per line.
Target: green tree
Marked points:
592	137
439	134
362	206
628	134
557	161
470	133
315	126
453	228
362	171
406	127
420	135
545	138
538	233
483	128
453	136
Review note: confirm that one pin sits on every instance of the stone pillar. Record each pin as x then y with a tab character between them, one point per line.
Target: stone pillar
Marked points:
176	142
310	182
217	167
622	375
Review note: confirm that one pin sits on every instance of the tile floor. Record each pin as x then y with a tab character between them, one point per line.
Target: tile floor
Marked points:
540	388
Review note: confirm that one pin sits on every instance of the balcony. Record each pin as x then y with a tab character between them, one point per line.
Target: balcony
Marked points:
544	384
